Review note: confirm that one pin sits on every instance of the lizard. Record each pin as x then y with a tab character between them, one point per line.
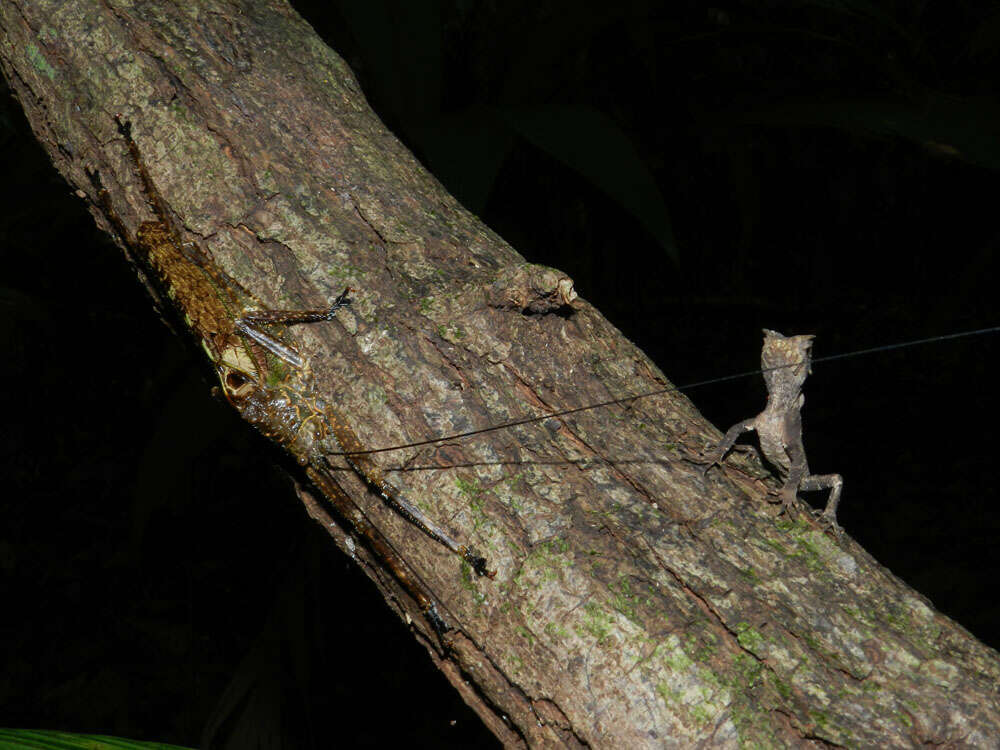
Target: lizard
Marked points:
263	376
786	361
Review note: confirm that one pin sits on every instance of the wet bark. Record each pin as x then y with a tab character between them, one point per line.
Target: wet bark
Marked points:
637	603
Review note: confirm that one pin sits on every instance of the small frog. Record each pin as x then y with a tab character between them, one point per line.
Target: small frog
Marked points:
785	361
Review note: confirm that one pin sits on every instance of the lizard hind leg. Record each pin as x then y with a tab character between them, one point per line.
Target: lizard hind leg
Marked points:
833	482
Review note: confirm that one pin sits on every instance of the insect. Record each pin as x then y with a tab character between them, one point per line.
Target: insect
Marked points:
264	377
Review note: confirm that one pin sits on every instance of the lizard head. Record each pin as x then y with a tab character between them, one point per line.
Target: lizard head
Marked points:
786	360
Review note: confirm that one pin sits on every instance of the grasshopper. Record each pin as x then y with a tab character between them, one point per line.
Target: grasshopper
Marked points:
265	378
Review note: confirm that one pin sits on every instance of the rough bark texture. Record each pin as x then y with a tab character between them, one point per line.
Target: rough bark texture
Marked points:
637	603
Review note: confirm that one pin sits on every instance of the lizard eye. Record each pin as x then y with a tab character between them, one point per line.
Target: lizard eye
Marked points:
235	383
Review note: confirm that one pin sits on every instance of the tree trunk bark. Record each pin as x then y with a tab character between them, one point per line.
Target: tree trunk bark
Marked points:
637	603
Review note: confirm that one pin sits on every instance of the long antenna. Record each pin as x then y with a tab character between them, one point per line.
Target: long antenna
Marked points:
669	389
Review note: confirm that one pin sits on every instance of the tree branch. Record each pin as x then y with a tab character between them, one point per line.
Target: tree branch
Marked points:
637	603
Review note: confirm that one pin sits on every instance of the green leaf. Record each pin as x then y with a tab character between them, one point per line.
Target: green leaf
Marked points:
403	53
38	739
592	144
961	127
465	150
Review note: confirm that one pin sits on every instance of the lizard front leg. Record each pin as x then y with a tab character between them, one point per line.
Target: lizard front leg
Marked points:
720	451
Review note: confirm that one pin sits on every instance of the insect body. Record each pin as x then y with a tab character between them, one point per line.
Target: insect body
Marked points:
264	377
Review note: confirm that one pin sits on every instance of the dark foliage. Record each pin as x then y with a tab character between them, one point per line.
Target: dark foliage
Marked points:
816	171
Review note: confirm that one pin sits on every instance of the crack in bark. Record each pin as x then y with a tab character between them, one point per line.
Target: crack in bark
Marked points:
365	219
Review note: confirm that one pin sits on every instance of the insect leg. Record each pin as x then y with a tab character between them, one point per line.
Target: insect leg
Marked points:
289	317
247	325
379	546
348	445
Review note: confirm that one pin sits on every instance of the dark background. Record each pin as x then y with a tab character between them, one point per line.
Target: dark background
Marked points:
700	172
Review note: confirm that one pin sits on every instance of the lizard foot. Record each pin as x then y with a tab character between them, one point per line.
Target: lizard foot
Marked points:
707	462
828	522
715	458
787	503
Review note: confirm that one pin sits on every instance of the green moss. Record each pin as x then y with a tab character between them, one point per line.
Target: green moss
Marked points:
556	546
555	631
548	558
177	109
808	553
670	697
513	479
473	493
749	575
624	601
468	488
515	551
469	583
748	670
819	717
515	504
346	272
782	687
276	372
704	650
711	680
749	638
514	499
677	660
38	61
700	714
777	547
376	396
597	623
680	661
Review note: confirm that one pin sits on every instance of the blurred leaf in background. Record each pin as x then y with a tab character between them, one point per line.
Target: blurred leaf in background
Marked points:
36	739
